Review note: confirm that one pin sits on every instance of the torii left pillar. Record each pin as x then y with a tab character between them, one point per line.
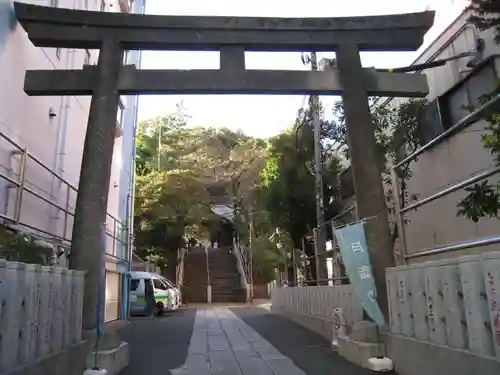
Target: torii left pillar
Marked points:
94	182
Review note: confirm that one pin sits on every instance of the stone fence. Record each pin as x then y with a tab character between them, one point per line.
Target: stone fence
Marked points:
40	313
312	306
453	302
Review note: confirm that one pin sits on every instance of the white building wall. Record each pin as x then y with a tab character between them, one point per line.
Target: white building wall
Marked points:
57	141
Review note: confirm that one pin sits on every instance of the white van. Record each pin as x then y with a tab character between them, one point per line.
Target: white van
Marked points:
177	291
166	296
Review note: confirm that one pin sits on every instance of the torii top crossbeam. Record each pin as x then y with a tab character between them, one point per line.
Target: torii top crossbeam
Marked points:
232	36
58	27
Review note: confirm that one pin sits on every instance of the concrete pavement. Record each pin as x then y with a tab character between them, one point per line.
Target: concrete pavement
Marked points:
226	340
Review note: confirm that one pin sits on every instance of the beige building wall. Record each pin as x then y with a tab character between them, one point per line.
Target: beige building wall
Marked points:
51	129
458	157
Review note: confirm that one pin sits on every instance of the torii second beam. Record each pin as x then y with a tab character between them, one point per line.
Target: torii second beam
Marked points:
263	82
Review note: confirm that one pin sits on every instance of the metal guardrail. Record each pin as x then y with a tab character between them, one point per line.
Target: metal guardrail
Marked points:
241	258
244	260
489	108
307	278
207	266
117	234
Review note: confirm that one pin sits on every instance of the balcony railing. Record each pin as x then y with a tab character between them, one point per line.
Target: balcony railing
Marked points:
27	191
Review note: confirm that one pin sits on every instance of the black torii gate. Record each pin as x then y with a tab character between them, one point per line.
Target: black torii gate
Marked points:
112	33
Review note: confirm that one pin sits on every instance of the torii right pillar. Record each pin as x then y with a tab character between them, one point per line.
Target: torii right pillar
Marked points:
368	188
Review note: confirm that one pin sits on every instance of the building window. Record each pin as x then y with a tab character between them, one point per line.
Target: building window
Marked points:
452	105
120	113
54	3
87	57
58	53
103	5
448	109
433	125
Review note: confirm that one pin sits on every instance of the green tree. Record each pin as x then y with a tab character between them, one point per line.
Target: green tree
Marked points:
483	199
172	201
288	183
486	15
267	257
20	247
398	128
178	168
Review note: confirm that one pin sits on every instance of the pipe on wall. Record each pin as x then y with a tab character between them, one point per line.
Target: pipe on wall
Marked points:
131	187
66	102
130	200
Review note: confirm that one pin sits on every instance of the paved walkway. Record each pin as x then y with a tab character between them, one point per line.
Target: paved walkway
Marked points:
229	341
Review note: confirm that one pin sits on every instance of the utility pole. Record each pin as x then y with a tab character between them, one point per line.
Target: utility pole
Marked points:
159	147
320	239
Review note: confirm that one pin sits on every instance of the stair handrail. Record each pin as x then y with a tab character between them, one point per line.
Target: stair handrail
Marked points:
208	266
244	257
242	268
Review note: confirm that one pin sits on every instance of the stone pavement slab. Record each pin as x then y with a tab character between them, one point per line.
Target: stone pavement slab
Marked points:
223	341
309	351
231	348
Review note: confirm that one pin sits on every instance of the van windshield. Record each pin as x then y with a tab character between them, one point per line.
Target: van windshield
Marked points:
168	282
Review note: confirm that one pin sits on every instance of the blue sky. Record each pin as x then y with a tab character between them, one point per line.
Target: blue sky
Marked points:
265	116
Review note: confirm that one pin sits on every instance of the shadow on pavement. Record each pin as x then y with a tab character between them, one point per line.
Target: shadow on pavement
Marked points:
159	345
311	352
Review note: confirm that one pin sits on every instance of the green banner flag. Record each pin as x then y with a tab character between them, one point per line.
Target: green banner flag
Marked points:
354	251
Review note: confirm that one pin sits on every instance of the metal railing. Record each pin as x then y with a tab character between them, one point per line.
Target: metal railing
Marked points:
245	263
489	108
302	268
244	268
207	265
115	230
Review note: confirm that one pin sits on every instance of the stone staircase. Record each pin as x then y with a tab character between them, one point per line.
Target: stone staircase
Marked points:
224	276
194	288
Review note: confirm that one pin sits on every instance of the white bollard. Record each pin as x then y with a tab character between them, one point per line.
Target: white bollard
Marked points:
380	364
95	371
209	293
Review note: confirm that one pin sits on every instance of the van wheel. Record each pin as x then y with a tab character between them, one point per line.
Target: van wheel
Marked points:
159	309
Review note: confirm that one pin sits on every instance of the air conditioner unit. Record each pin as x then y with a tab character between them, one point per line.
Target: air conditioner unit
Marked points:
476	57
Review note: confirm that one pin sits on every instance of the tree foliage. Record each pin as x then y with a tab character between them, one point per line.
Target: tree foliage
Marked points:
483	199
269	183
398	128
177	169
20	247
485	15
288	179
